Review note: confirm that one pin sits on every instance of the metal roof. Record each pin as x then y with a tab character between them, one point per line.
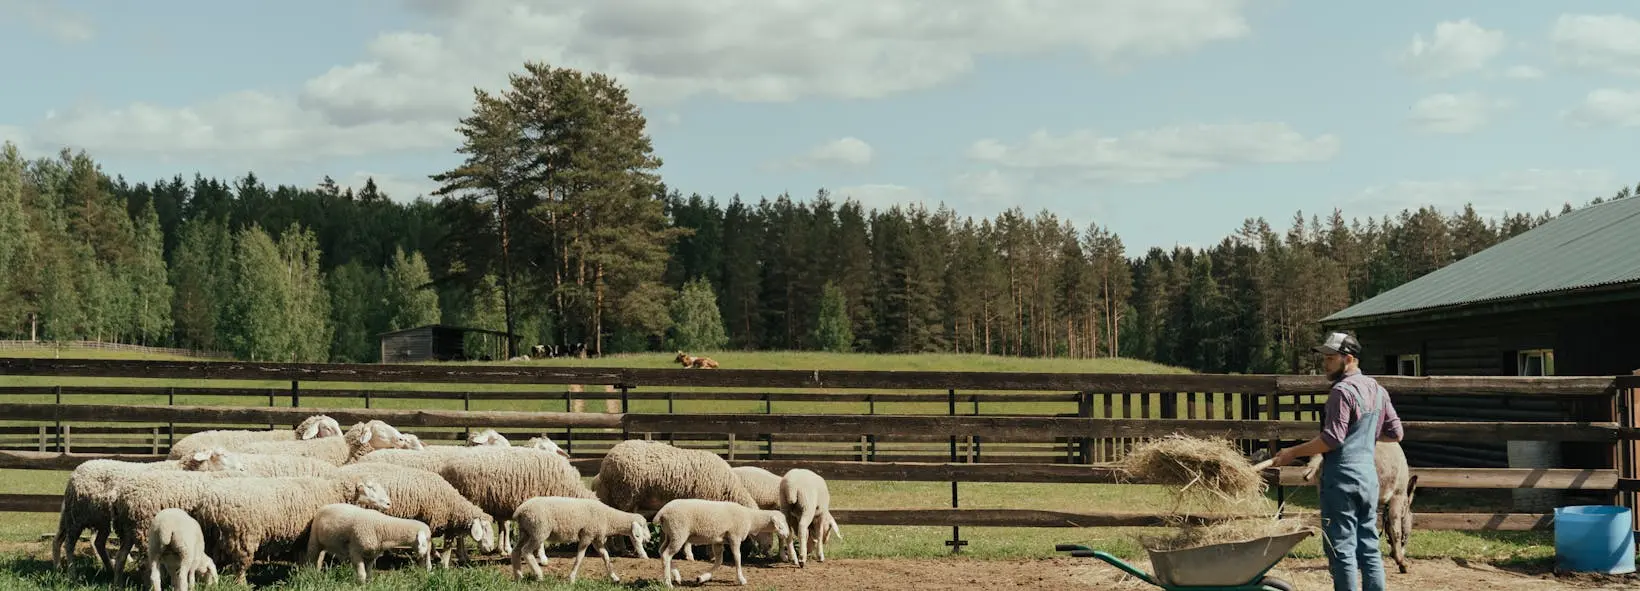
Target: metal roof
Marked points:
1594	246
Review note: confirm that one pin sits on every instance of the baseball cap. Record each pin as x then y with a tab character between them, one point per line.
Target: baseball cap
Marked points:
1340	343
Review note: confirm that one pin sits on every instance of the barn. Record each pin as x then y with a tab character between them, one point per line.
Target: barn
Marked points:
438	342
1560	299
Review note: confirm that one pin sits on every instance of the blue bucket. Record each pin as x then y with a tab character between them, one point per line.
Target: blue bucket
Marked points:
1594	538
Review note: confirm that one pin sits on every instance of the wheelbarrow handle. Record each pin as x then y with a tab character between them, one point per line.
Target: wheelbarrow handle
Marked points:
1069	548
1119	563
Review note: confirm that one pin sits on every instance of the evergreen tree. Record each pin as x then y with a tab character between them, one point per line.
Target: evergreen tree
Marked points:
831	324
355	313
150	288
407	294
696	325
202	282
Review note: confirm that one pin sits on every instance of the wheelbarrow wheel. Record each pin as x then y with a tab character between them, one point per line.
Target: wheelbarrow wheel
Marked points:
1275	584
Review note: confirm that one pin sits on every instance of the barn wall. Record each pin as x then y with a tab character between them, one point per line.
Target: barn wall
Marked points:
408	346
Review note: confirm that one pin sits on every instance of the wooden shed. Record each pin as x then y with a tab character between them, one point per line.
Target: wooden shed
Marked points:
438	342
1560	299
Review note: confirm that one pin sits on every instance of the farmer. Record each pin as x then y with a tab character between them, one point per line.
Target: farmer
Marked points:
1357	416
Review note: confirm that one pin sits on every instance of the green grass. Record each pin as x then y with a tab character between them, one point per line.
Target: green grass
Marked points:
860	541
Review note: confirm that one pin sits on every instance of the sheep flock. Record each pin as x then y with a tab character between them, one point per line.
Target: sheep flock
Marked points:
297	495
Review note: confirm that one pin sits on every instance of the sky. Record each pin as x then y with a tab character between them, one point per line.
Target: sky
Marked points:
1167	121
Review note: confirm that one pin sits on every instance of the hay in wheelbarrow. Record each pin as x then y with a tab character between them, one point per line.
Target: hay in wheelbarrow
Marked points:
1225	532
1213	466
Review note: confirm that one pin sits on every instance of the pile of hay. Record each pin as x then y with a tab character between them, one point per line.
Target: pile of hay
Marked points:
1195	465
1238	530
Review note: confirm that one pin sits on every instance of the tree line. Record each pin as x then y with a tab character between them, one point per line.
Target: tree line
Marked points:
557	228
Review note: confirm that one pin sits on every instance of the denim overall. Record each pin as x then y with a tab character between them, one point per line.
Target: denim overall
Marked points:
1349	501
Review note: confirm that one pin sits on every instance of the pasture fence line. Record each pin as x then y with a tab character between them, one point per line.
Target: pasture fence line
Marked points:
1102	416
17	345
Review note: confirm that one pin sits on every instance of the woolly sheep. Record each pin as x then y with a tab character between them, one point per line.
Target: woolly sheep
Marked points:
140	497
264	465
359	440
243	515
639	475
499	479
488	437
411	441
587	522
426	497
175	540
432	458
88	500
314	427
363	535
1396	486
765	489
806	502
719	523
546	443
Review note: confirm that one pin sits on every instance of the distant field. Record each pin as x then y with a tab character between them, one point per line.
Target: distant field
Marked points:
861	541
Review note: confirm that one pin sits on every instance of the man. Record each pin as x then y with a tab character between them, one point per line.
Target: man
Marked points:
1357	416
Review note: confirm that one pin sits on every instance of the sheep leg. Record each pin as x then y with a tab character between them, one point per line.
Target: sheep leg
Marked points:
717	561
740	574
670	548
360	575
608	564
182	578
123	553
520	558
580	554
153	576
802	527
99	544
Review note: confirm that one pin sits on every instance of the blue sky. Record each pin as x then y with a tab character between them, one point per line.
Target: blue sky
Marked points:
1169	121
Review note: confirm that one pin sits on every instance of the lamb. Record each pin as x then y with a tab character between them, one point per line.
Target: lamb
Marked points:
174	538
719	523
314	427
139	498
243	515
588	522
765	489
359	440
1396	485
426	497
363	535
488	437
264	465
806	502
88	500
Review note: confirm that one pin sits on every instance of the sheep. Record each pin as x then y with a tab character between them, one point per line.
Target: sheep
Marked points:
1396	485
719	523
263	465
88	500
411	441
488	437
587	522
426	497
140	497
363	535
765	489
314	427
174	538
805	501
638	475
546	443
359	440
499	479
243	515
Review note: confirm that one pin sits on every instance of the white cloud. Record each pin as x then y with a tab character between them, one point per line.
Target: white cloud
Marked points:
1455	47
1609	42
846	152
65	24
1454	113
410	87
1607	107
1146	156
1523	73
1517	191
884	196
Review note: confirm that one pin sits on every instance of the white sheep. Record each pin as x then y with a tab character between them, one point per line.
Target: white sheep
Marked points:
411	441
88	500
1396	486
488	437
719	523
806	501
314	427
363	535
257	464
638	475
243	515
426	497
359	440
546	443
587	522
764	487
175	540
140	497
499	479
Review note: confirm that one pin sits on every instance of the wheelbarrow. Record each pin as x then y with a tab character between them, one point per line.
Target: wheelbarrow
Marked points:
1233	566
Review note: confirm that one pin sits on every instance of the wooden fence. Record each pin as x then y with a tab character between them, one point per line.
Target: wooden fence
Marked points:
1102	415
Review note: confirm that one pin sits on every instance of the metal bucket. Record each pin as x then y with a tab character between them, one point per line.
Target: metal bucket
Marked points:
1223	565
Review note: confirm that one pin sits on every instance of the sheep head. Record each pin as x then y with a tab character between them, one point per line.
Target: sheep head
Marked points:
488	437
214	459
483	531
318	426
546	443
371	495
410	441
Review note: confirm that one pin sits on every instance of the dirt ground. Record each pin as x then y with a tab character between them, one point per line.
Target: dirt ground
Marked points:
1078	573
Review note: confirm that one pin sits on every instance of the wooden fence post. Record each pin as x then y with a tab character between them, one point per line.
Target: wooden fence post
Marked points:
1084	409
1628	457
956	542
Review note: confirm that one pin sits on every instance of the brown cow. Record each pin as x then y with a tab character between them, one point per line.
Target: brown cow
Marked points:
691	362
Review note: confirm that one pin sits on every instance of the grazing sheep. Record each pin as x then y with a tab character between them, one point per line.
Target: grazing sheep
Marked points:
175	540
314	427
1396	485
692	362
638	475
426	497
363	535
88	501
587	522
264	465
432	458
805	500
247	513
719	523
499	479
765	489
488	437
140	497
359	440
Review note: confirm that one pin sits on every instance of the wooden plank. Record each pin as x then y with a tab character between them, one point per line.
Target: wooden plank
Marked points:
36	460
1493	478
1464	385
292	416
1040	518
31	503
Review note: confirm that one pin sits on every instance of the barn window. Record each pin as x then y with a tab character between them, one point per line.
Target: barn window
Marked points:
1409	365
1535	362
